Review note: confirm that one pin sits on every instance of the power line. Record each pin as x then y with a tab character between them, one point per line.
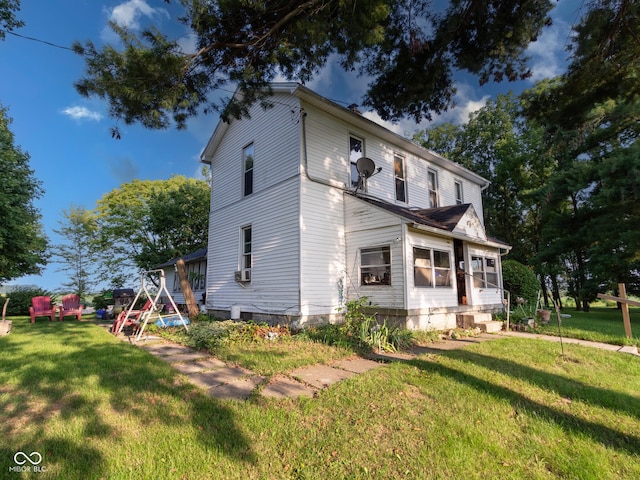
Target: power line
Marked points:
51	44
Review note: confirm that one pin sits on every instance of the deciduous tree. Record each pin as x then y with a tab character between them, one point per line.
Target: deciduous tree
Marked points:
409	49
23	244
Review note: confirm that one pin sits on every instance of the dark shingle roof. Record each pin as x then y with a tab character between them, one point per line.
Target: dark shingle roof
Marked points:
445	218
197	255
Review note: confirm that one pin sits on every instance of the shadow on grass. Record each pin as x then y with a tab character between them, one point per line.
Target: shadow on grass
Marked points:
74	373
561	385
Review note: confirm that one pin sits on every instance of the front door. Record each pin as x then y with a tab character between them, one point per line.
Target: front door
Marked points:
461	280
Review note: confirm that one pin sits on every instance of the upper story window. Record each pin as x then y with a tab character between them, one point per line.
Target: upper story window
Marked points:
485	272
356	150
459	195
375	266
432	180
399	175
431	268
247	165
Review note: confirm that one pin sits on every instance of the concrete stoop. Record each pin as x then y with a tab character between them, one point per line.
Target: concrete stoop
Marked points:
481	320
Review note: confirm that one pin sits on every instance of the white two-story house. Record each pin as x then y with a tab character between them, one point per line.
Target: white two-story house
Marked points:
296	230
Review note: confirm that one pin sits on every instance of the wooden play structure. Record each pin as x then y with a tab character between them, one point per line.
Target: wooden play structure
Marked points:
152	310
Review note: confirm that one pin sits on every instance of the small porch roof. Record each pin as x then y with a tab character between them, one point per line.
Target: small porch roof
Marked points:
456	221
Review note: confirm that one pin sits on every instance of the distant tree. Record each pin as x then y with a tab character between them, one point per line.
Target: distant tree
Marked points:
408	49
78	256
8	20
23	245
146	222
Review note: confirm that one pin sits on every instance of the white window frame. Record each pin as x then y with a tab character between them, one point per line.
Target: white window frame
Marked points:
246	255
373	273
432	185
439	276
400	177
485	271
354	155
459	192
248	173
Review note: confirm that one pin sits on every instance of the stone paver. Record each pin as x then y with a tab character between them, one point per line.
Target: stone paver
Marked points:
356	365
219	376
166	349
237	390
185	357
284	387
320	376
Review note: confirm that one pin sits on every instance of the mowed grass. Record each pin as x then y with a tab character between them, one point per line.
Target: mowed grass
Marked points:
600	324
95	407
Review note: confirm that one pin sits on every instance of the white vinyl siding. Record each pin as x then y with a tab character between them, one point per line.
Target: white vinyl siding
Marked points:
322	249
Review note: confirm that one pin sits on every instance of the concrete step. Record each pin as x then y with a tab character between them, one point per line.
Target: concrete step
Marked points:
469	320
491	326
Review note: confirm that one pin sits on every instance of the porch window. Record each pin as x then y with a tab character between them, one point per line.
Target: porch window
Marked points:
247	165
485	272
432	180
356	150
401	184
431	268
375	266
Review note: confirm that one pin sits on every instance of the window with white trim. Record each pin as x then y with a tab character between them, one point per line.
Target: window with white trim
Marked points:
356	151
375	266
247	165
246	257
485	272
459	195
431	267
400	179
432	184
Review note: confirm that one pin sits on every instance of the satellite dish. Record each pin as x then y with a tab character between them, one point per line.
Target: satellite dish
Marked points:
365	166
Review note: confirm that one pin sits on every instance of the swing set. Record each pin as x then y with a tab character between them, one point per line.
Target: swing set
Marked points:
152	309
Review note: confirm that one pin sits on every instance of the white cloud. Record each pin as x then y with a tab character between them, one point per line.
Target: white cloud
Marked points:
548	54
81	113
128	15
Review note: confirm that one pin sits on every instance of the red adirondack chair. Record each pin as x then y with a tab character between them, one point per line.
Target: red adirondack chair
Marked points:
41	307
71	307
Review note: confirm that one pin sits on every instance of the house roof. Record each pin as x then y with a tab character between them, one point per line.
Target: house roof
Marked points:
200	254
447	219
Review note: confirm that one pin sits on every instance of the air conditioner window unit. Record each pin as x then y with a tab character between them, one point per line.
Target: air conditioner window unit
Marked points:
243	275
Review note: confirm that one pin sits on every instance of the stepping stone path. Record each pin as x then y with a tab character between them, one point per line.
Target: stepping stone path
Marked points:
234	383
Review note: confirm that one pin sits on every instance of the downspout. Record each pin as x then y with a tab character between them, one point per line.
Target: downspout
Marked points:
305	162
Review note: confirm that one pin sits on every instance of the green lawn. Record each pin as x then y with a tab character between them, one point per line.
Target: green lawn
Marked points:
600	324
95	407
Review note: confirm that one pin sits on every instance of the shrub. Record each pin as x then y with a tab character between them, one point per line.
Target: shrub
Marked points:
520	281
21	299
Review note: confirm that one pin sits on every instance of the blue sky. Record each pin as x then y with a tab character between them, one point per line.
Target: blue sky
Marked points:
68	138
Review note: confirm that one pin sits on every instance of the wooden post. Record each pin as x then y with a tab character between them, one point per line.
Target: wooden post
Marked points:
624	302
192	305
625	310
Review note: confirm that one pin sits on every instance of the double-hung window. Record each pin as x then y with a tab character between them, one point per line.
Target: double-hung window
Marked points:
375	266
431	268
247	166
459	196
432	184
246	258
485	272
401	183
356	150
